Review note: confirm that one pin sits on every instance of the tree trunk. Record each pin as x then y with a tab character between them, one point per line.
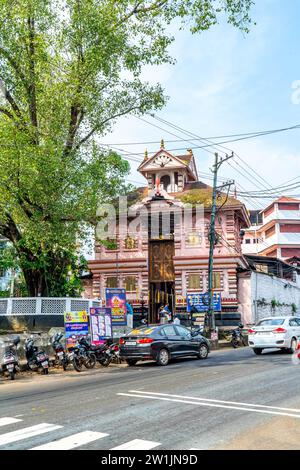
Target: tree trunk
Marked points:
35	282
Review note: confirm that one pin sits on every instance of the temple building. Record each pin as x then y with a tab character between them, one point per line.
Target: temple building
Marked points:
163	255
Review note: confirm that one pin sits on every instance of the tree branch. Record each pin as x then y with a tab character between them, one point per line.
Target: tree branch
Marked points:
7	95
136	10
15	66
32	87
7	113
96	128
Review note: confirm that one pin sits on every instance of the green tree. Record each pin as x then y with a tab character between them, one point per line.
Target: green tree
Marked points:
68	70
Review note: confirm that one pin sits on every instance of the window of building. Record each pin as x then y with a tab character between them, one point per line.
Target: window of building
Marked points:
130	283
217	280
248	241
194	281
2	272
112	282
130	243
271	231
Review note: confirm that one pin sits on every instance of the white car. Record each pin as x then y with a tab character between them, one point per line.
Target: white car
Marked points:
275	332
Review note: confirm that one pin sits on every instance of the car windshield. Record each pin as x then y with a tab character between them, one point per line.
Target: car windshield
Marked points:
271	322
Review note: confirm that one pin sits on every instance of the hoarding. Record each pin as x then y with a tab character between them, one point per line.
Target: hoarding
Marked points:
76	324
200	301
116	301
100	324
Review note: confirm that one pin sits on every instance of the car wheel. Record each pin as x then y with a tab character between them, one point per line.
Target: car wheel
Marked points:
257	351
131	362
293	347
203	351
163	357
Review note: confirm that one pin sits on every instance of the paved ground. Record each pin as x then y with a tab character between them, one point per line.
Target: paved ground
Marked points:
233	400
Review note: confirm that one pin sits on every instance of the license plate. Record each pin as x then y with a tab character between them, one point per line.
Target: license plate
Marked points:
60	354
130	343
10	367
45	364
264	332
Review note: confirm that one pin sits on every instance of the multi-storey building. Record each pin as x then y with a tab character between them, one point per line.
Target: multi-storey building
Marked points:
276	232
165	255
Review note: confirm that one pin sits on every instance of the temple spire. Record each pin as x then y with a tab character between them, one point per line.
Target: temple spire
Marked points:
162	144
146	155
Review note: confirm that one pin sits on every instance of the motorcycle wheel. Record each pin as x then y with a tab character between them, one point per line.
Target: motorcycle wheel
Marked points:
12	375
91	361
77	364
105	362
234	343
46	371
65	365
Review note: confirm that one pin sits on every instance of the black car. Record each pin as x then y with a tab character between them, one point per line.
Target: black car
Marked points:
162	343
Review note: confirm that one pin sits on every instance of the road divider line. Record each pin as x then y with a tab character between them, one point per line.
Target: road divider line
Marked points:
137	444
70	442
296	410
6	421
213	405
25	433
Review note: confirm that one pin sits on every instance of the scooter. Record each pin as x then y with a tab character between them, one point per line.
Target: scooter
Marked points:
62	357
36	359
10	362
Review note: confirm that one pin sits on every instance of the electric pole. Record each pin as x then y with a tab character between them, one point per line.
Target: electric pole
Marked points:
213	240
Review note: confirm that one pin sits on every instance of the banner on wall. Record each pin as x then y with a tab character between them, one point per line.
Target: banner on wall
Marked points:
100	324
200	301
76	324
116	301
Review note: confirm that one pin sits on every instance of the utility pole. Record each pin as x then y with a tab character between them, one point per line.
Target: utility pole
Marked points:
212	240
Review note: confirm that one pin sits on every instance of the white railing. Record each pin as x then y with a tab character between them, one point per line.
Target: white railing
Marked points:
45	305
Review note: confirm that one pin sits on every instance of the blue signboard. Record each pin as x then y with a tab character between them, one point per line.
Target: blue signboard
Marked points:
200	301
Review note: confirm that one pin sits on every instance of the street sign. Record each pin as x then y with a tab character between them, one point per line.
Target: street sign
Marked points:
200	301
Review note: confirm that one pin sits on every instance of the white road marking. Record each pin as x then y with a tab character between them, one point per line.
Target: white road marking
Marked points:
25	433
5	421
297	410
70	442
137	444
213	405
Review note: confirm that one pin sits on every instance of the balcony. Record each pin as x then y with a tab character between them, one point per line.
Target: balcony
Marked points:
282	215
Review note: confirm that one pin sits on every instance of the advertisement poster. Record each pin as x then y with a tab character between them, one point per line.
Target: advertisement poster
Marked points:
100	324
76	324
200	302
116	301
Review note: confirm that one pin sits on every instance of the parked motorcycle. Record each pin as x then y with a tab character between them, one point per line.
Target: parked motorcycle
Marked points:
83	355
106	353
36	359
62	357
10	362
237	337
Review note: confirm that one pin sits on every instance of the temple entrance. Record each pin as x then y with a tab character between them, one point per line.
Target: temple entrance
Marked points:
161	277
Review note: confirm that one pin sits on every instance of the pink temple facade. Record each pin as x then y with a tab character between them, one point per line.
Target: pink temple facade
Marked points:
165	257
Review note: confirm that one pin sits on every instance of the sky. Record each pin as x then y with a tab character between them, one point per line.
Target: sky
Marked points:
228	82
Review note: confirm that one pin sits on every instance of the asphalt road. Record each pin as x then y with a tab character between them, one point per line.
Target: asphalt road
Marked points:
232	400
